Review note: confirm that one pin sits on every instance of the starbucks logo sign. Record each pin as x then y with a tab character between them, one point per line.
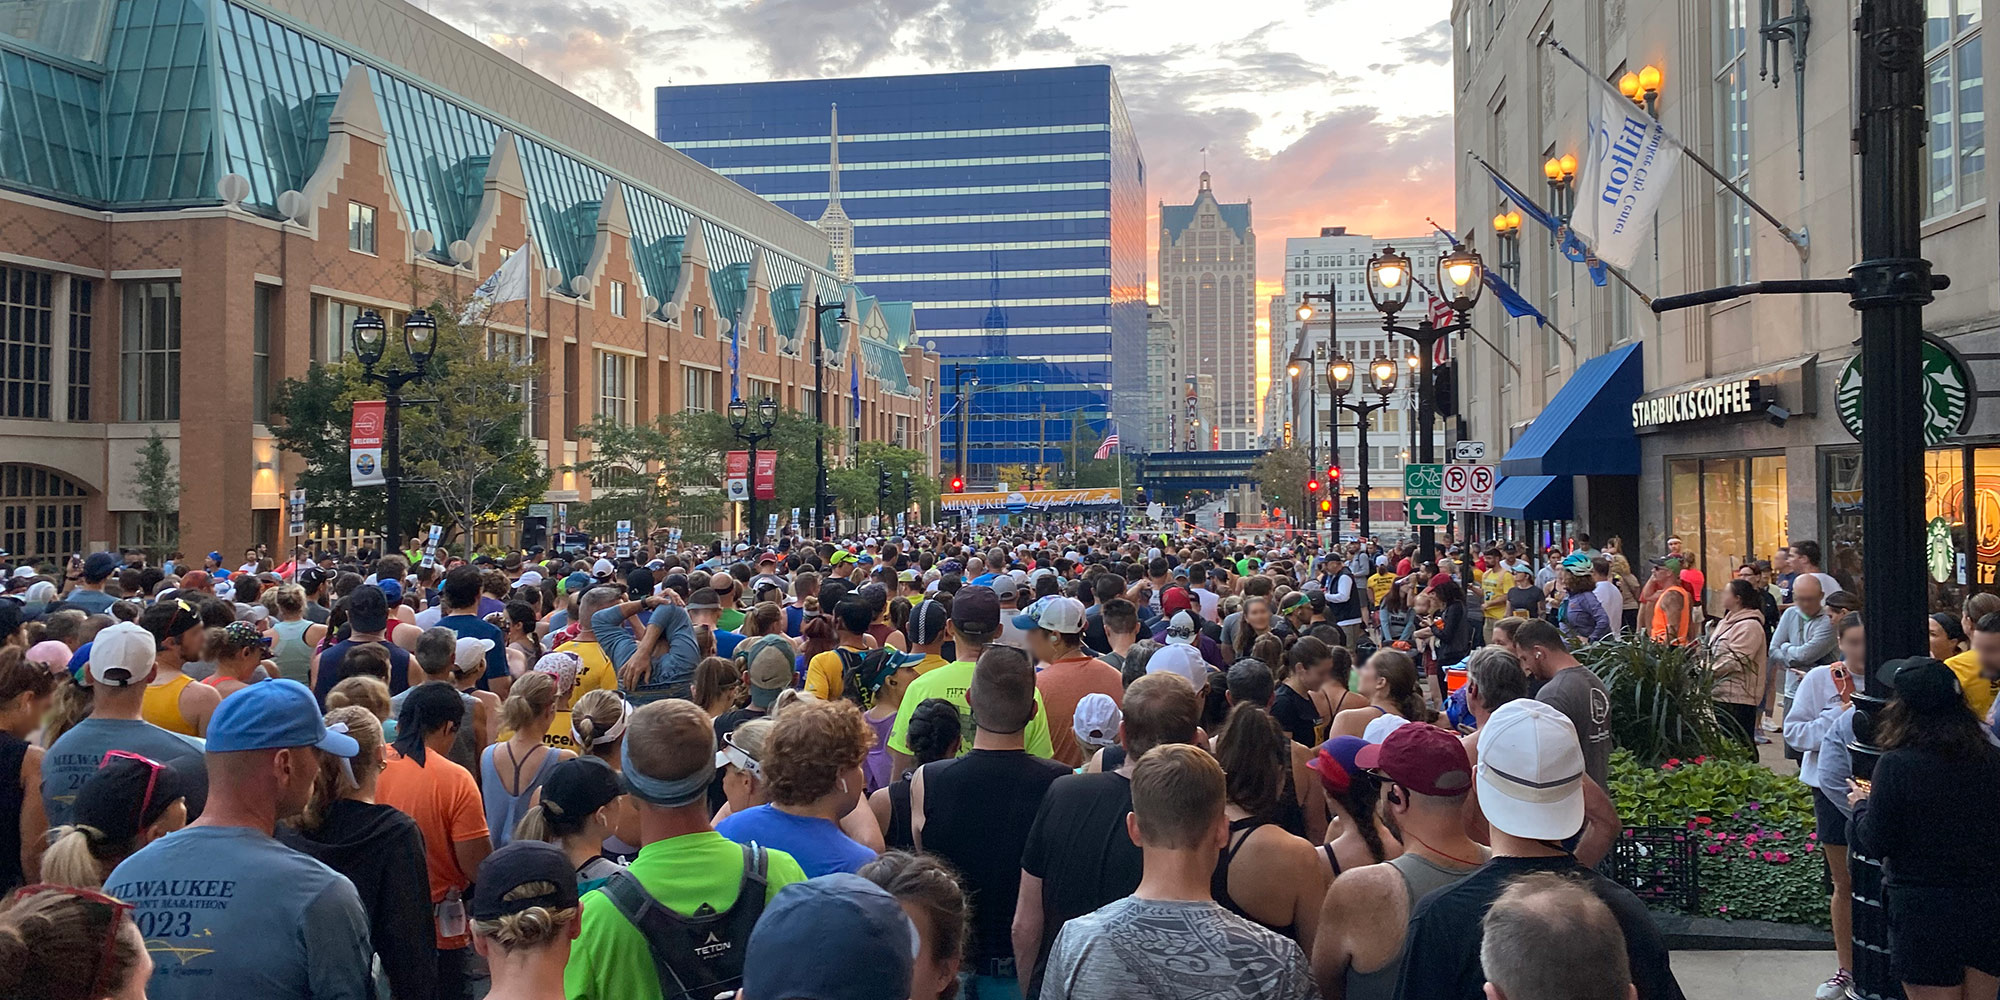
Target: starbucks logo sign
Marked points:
1947	394
1940	555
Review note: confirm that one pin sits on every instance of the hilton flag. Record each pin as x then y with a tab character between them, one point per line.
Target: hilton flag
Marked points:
1624	175
508	283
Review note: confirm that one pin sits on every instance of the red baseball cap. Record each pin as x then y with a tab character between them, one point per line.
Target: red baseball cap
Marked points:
1424	759
1174	599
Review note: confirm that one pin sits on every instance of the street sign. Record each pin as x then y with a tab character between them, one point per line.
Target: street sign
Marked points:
295	514
1422	480
1469	488
1428	512
1468	451
431	544
624	539
773	528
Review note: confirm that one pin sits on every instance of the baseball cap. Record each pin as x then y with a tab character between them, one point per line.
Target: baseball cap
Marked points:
195	579
580	786
1182	629
976	608
927	622
771	672
312	576
1175	599
1097	720
891	663
392	590
835	937
840	556
529	579
126	794
1924	684
1336	760
1530	774
243	635
99	565
472	652
1425	759
575	582
50	653
638	583
1667	563
1053	614
1181	660
602	569
497	891
121	655
274	715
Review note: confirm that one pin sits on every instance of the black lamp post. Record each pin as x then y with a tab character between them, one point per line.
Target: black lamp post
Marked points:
755	434
822	496
370	337
1460	275
1340	378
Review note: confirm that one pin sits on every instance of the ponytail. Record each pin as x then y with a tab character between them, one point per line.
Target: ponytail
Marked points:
531	695
334	781
79	856
1254	753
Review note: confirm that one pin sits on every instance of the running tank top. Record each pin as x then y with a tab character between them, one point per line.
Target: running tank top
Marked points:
1421	876
1659	630
290	652
898	836
162	706
504	808
1218	883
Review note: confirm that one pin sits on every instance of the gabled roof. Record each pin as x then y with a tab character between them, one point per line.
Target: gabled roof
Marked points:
1175	219
901	319
726	286
785	300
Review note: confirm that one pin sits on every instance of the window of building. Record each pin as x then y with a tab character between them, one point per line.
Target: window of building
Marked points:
41	513
150	368
1961	489
1955	101
1727	511
700	321
333	325
27	348
81	291
264	299
764	339
360	227
698	387
618	298
1732	117
614	386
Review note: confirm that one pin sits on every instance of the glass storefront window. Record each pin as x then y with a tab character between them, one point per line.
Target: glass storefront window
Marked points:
1970	510
1727	511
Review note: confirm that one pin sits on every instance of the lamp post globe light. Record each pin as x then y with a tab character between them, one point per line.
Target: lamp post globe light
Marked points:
369	336
1340	377
752	434
1460	279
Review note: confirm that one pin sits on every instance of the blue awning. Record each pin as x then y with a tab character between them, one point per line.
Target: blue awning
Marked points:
1587	429
1535	498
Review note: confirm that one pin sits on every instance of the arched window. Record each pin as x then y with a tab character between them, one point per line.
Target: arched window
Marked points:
41	512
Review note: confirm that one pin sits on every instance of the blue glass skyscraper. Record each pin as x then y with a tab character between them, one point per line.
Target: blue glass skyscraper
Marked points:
1010	206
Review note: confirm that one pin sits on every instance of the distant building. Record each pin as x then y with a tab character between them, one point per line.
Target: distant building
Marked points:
1164	406
1208	287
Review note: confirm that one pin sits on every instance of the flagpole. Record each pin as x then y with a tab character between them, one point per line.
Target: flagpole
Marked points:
1797	239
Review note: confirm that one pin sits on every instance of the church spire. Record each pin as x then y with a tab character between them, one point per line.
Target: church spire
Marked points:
834	222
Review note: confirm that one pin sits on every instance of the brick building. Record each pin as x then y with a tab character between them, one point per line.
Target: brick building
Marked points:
212	191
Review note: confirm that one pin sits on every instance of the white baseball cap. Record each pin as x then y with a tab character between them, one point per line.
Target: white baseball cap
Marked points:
1182	629
1055	614
122	656
1097	720
472	651
1530	775
1182	661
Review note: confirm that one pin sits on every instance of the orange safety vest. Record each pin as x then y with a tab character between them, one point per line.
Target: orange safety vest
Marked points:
1659	629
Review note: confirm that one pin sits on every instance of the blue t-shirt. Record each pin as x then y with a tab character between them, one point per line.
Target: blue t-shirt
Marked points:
229	911
795	620
818	845
80	750
473	627
90	602
726	642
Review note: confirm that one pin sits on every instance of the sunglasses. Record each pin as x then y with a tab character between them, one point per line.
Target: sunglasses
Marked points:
120	911
153	769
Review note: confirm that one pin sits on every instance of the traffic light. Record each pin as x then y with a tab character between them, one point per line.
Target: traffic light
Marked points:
1353	505
1333	476
1312	487
958	484
1325	505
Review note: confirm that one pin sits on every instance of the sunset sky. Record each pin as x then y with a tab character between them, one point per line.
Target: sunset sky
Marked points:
1321	112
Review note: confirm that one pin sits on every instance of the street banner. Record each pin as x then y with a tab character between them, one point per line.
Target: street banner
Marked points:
364	443
295	514
1022	501
765	475
624	539
736	476
1624	175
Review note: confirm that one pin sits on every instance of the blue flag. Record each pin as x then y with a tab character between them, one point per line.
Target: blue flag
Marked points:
854	387
735	366
1566	239
1511	300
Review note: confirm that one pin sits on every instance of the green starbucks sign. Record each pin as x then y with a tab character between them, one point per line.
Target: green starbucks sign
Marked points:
1940	555
1947	394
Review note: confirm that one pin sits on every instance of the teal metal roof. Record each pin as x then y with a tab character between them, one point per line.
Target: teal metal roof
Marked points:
785	313
1175	219
727	286
901	319
882	361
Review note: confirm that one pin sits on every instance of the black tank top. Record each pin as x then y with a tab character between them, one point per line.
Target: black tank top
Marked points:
898	837
1218	883
977	812
12	749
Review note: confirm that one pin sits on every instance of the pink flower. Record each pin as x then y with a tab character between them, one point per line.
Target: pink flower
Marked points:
1812	836
1690	824
1775	835
1703	759
1674	762
1771	857
1715	848
1722	909
1755	805
1749	838
1703	820
1810	847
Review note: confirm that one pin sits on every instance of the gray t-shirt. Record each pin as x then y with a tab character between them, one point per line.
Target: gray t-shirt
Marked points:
1173	950
1577	693
229	911
77	754
464	746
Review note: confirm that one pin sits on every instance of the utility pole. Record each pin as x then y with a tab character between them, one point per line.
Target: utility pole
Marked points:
822	496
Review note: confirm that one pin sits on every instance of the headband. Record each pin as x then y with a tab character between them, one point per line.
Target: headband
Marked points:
610	735
669	794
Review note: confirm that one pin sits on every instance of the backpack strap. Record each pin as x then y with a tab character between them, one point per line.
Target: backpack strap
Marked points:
750	893
664	940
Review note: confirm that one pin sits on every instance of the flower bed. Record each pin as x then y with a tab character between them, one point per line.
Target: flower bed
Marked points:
1757	853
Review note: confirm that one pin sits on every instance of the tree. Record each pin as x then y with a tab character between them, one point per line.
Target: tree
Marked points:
671	471
1281	475
466	456
156	485
854	488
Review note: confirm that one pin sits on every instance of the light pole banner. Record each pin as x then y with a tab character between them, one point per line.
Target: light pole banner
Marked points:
1623	177
364	443
764	475
736	476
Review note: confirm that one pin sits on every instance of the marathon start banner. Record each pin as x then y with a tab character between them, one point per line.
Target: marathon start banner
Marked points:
364	444
1022	501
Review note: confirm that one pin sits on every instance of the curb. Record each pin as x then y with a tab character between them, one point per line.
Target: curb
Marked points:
1689	933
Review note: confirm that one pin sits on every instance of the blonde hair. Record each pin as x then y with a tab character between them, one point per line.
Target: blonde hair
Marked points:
331	784
530	928
80	856
1177	792
362	691
593	715
531	695
64	947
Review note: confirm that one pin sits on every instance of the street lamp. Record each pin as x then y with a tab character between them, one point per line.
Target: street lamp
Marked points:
822	496
1642	88
370	337
1340	378
1561	174
1460	280
739	420
1507	233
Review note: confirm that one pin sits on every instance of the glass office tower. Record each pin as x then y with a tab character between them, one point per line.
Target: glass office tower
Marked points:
1010	206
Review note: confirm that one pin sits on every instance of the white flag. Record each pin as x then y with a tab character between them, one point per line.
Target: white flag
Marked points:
507	284
1624	175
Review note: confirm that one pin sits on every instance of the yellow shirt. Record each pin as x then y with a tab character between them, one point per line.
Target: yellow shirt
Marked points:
1495	583
1380	584
598	674
824	672
1979	692
162	706
930	662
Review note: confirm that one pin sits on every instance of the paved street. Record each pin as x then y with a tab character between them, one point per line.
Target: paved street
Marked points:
1751	975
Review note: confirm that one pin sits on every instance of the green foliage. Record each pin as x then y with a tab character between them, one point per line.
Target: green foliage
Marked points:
156	484
669	472
854	487
1281	475
1662	699
1756	848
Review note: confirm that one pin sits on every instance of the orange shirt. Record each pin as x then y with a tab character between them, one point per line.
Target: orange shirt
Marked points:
1660	622
444	800
1064	683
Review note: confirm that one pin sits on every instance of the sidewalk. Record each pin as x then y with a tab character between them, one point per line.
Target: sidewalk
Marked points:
1751	975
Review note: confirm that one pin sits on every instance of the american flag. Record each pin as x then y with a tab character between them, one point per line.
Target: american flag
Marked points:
1440	316
1110	442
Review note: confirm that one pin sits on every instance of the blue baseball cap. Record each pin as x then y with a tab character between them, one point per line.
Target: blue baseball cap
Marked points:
274	715
835	937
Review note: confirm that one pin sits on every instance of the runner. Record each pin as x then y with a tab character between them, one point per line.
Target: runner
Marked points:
975	624
511	772
1064	670
422	780
524	915
812	771
173	701
120	662
128	803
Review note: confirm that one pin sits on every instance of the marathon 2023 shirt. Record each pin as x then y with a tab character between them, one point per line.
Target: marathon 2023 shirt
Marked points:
229	911
79	752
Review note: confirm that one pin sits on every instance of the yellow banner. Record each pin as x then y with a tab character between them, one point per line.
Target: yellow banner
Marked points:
1030	499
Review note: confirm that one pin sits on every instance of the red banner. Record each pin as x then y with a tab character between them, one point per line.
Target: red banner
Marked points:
736	475
364	444
764	479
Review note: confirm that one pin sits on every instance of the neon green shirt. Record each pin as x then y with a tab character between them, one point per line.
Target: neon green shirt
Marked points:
609	959
949	682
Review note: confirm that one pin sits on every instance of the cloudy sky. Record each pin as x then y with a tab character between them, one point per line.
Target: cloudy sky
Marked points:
1322	112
